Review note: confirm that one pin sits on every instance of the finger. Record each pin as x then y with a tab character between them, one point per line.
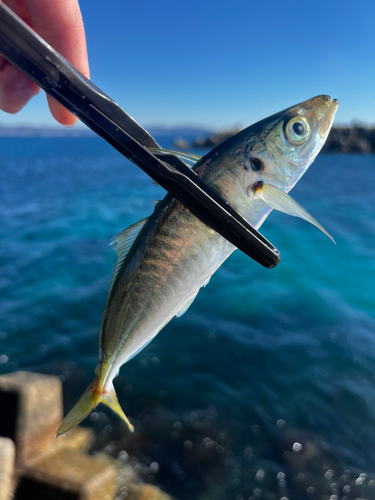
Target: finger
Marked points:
16	89
60	23
19	8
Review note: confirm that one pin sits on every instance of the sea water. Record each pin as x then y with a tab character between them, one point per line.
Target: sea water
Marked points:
264	388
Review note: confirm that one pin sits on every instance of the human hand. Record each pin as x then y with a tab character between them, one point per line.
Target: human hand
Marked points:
60	23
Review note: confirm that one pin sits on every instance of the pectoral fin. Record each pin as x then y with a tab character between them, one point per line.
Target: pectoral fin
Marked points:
279	200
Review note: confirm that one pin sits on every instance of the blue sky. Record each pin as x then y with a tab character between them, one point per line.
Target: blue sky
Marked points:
225	63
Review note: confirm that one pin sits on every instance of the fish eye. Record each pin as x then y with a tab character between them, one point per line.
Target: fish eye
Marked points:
297	130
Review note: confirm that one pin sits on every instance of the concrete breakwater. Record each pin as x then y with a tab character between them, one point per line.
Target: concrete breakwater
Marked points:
35	465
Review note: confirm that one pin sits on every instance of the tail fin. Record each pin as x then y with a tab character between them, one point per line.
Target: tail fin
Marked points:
87	402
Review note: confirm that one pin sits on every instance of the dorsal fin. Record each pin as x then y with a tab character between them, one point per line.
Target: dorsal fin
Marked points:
189	158
124	242
188	303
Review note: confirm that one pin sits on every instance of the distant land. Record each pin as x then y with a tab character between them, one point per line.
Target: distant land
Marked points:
25	131
353	139
190	133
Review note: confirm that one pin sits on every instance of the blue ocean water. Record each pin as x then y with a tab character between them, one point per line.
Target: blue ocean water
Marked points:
264	388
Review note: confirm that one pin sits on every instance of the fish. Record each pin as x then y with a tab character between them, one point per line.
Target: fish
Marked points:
164	260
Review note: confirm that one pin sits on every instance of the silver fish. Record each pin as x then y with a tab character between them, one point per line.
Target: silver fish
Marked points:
164	260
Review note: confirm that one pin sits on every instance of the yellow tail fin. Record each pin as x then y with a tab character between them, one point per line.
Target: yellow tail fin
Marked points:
87	402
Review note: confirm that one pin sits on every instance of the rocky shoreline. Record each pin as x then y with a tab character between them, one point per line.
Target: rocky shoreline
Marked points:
355	139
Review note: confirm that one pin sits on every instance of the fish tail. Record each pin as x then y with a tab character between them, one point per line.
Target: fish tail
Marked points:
89	400
109	398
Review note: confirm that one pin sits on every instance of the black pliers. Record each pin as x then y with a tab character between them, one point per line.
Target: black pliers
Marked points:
22	47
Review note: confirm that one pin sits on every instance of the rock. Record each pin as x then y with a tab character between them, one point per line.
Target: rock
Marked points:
181	143
214	139
354	139
31	412
7	457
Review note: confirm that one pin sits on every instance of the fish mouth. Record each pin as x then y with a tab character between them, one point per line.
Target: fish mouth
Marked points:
327	108
320	110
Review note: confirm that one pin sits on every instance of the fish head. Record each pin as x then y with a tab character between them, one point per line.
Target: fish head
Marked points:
277	150
291	140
